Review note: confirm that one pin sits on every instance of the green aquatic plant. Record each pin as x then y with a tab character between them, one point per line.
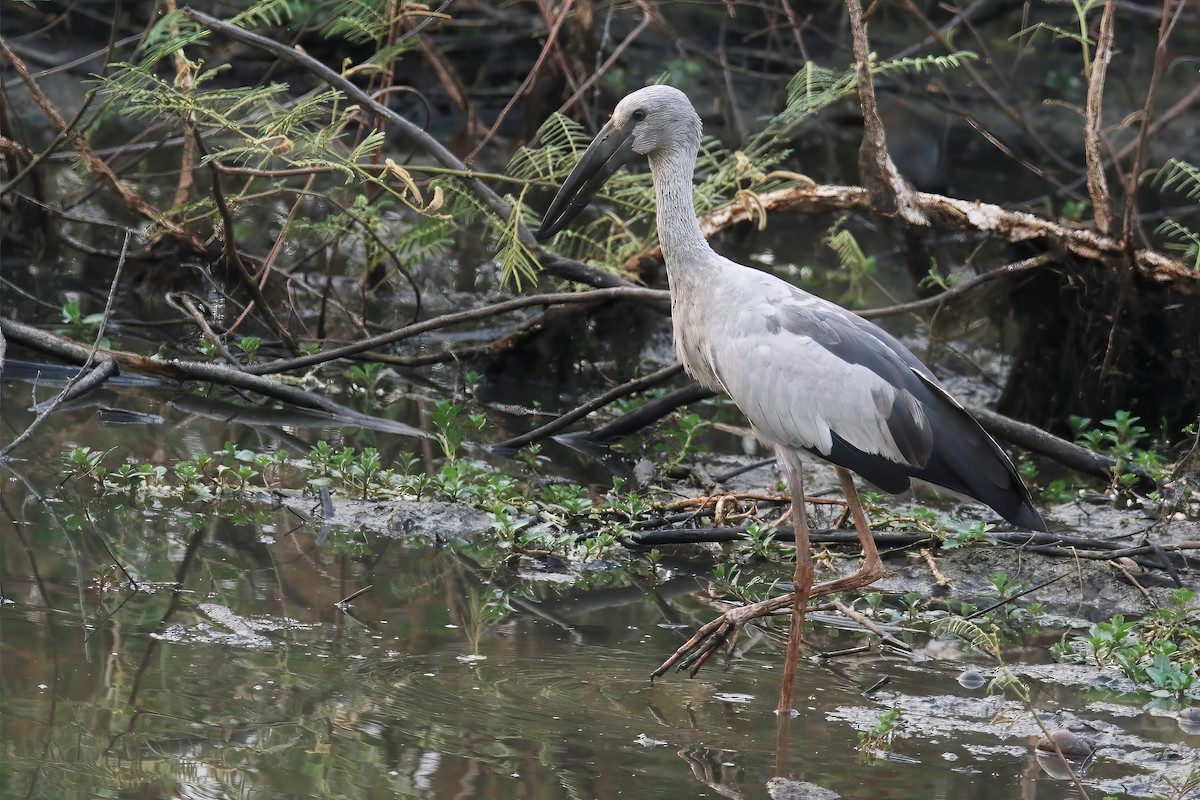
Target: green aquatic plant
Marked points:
1160	651
1122	438
79	325
452	424
877	740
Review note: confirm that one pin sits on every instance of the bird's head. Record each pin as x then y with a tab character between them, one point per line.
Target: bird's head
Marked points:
652	121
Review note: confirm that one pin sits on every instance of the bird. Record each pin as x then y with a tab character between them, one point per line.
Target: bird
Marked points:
815	380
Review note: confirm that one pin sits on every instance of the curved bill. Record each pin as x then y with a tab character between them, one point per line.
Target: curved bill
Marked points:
612	148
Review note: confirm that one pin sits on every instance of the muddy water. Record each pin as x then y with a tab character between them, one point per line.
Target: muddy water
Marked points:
234	671
250	681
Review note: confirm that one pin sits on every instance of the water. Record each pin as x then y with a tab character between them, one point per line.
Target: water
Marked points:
235	672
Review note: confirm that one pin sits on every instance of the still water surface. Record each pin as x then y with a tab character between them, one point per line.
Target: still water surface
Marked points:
234	673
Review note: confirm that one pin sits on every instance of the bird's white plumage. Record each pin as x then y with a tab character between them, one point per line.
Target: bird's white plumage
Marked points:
794	390
809	375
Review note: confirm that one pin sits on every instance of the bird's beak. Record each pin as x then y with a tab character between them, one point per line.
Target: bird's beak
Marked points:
611	149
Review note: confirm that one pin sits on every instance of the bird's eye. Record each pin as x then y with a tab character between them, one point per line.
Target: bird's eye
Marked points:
638	115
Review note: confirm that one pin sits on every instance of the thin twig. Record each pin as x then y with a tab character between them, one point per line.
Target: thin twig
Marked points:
564	11
958	289
1016	596
83	381
620	48
188	305
234	258
994	96
1165	26
445	320
870	625
553	426
131	199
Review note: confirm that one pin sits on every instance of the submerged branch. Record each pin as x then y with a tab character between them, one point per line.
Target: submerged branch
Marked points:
104	369
616	393
180	370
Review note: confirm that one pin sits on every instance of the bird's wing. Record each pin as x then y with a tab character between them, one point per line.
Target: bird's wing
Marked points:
808	374
811	375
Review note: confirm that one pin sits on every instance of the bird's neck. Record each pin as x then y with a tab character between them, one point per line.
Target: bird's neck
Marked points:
685	250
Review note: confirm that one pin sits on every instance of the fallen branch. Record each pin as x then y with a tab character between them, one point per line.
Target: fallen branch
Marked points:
642	417
180	370
1069	454
1022	434
968	215
458	317
616	393
1044	543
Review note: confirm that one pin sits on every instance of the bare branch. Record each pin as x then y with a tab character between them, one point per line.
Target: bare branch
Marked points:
1094	120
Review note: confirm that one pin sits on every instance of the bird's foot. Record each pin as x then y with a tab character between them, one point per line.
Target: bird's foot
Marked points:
724	629
727	627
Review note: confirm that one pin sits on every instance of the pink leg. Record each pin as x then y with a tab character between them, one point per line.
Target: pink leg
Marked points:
725	628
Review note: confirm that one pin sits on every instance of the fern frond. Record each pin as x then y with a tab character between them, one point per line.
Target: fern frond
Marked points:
305	111
970	632
517	262
1190	246
368	21
1180	175
169	35
814	88
850	254
1005	678
561	141
428	236
370	143
1055	31
920	64
358	21
267	13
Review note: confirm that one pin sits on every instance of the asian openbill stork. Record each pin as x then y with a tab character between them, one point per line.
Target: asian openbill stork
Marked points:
813	378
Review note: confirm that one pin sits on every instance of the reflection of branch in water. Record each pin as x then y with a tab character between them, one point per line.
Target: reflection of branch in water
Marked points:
51	718
193	547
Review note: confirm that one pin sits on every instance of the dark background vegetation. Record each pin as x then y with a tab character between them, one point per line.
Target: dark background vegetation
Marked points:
240	221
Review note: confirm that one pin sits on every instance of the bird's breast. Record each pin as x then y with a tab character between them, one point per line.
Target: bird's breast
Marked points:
693	326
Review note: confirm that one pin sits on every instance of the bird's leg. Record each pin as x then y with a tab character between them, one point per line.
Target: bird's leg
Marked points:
802	581
872	567
695	651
